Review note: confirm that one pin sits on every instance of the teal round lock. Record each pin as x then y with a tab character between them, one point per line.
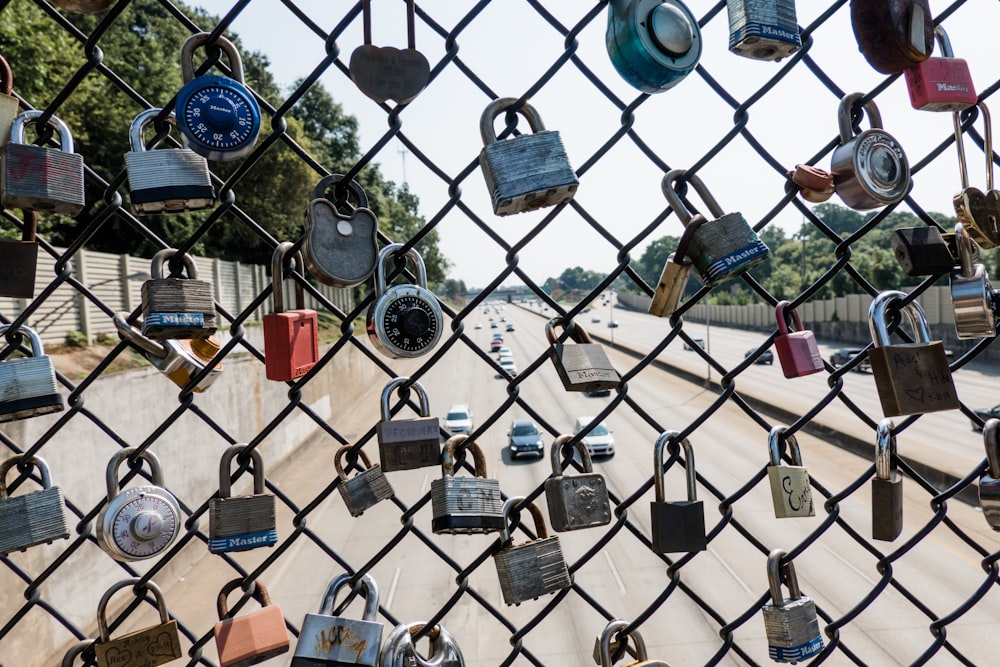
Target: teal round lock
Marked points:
653	44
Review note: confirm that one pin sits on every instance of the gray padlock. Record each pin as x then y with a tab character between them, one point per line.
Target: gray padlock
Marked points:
791	493
28	384
405	444
887	486
989	482
32	518
180	307
525	172
535	568
238	523
676	271
971	292
401	651
790	623
403	320
41	179
19	260
179	360
677	526
583	366
169	180
575	501
465	505
340	248
765	30
366	489
334	641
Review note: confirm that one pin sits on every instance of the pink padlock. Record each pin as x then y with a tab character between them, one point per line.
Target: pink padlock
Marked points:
797	351
941	84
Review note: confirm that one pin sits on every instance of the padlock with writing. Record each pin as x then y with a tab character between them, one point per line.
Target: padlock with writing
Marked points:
869	169
37	178
978	211
385	72
815	185
341	243
9	107
989	481
176	307
972	296
676	271
887	486
238	523
334	641
676	526
525	172
721	248
169	180
893	34
366	489
19	260
653	44
583	366
404	320
790	623
465	505
535	568
609	641
291	337
911	378
575	501
791	493
179	360
251	638
923	251
400	650
149	647
797	350
763	30
28	384
32	518
405	444
941	84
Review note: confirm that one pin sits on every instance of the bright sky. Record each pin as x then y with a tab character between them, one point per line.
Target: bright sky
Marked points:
509	46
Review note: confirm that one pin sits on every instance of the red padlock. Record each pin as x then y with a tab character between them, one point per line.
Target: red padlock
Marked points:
251	638
941	84
797	351
291	341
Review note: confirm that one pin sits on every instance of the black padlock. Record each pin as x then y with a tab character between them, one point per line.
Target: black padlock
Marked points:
893	34
887	487
677	526
584	366
922	251
19	261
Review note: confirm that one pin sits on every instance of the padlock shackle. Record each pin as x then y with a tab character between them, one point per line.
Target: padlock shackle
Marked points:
486	122
536	514
396	382
30	117
74	651
674	197
36	461
691	474
556	450
139	124
987	145
366	21
102	606
383	256
225	469
399	648
885	449
844	115
29	227
448	455
277	276
697	220
37	349
991	438
912	311
338	461
111	477
774	573
942	39
201	38
784	313
6	78
967	250
259	594
341	580
130	334
576	332
775	441
612	630
159	262
353	187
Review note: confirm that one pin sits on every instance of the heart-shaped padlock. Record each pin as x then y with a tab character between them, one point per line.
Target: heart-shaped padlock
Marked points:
979	212
387	73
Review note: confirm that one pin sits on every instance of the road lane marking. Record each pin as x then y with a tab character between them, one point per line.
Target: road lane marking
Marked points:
392	589
731	571
614	571
423	484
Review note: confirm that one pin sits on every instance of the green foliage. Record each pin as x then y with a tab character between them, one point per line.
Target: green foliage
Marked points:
577	278
75	339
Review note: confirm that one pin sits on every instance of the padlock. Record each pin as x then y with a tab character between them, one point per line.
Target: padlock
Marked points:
32	518
979	212
36	178
28	384
797	350
971	292
922	251
365	489
790	623
19	260
169	180
83	6
887	486
677	526
815	185
291	337
526	172
763	30
405	444
404	320
535	568
340	248
217	115
607	644
401	651
575	501
465	505
76	650
791	493
238	523
583	366
989	481
893	34
149	647
675	274
387	73
180	307
255	637
941	84
653	44
334	641
869	169
139	522
9	106
179	360
720	248
912	378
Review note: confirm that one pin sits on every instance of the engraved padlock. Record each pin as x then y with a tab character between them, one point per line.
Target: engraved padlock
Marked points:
535	568
893	35
887	486
676	271
251	638
176	307
978	211
404	320
238	523
139	522
19	260
400	649
41	179
291	337
763	30
676	526
385	72
653	44
405	444
31	518
525	172
9	106
168	180
797	349
583	366
972	296
790	623
179	360
465	505
575	501
366	489
791	493
83	6
609	641
149	647
341	243
28	384
941	84
989	481
721	248
911	378
869	169
923	251
335	641
217	115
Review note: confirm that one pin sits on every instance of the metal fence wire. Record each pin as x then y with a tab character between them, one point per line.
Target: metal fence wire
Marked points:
928	597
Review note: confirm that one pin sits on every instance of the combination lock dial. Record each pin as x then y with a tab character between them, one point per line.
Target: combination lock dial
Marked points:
405	320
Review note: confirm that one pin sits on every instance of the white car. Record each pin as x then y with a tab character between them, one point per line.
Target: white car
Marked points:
459	419
507	364
504	352
599	441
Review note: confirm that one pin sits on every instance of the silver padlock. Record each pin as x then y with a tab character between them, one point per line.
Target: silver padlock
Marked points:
989	481
401	651
178	307
404	320
179	360
763	29
607	644
9	106
28	384
535	568
341	246
653	44
364	490
405	444
525	172
36	178
790	623
32	518
169	180
334	641
887	486
465	505
238	523
575	501
972	295
581	367
791	493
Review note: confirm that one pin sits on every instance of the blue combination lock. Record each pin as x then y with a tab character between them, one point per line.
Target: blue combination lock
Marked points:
652	43
217	116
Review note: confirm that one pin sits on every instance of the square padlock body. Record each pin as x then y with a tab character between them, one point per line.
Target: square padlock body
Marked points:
168	181
251	638
530	570
18	265
798	353
887	494
291	344
577	501
678	527
463	505
584	367
941	84
334	641
149	647
922	251
725	247
407	444
527	172
30	519
168	312
34	178
913	378
240	523
364	490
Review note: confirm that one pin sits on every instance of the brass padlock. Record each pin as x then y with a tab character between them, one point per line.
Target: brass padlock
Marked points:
238	523
179	360
28	384
676	271
609	643
181	307
19	260
403	320
763	30
887	486
149	647
575	501
972	296
893	34
32	518
38	178
791	493
400	649
583	366
465	505
676	526
790	623
365	489
387	73
9	106
532	569
978	211
251	638
653	44
341	243
405	444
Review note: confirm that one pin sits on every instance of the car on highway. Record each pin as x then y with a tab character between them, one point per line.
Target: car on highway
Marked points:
504	352
496	344
507	364
766	357
479	325
459	419
844	355
697	341
524	439
493	325
985	415
510	327
595	319
599	440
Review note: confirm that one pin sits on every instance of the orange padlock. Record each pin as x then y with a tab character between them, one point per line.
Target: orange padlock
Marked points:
291	343
251	638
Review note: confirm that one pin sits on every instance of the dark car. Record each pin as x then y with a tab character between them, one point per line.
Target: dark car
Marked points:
766	357
985	415
841	357
523	439
697	341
